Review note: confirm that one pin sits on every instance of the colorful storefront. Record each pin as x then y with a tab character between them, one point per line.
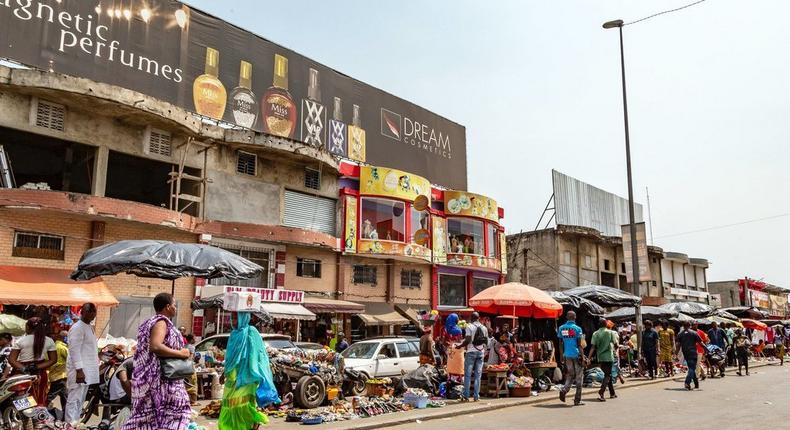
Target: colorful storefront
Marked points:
437	247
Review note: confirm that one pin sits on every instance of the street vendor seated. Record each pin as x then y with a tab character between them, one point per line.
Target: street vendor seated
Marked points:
503	351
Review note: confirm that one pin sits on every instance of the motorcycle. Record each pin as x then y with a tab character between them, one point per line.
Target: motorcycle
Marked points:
16	403
354	382
98	396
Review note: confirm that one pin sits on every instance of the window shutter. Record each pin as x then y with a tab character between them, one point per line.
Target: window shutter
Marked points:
309	212
159	142
50	115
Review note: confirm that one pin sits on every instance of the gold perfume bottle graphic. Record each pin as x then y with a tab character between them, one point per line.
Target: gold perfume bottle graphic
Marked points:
313	114
278	108
337	130
243	103
356	137
208	93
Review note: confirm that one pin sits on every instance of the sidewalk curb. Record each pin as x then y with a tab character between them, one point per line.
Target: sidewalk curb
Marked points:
355	424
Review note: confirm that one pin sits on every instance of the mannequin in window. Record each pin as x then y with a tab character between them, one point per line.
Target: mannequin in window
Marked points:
368	232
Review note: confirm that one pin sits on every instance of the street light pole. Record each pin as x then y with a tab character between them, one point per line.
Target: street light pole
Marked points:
632	224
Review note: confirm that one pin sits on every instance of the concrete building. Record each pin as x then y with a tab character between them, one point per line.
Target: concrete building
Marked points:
772	299
568	256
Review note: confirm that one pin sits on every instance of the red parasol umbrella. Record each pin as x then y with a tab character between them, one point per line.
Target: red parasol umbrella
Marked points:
516	299
754	325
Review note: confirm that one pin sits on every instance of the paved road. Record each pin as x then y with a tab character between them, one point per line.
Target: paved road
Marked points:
758	401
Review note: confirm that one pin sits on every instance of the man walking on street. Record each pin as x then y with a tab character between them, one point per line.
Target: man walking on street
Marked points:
82	366
687	341
729	330
650	349
475	344
603	341
571	336
57	373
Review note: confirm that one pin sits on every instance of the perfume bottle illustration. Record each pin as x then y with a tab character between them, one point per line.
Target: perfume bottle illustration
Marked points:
313	114
242	100
337	130
208	93
277	107
356	137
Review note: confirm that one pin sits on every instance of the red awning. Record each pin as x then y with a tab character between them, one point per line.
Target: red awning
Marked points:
50	287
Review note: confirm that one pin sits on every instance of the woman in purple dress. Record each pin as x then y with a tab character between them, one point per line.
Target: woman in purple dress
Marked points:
158	403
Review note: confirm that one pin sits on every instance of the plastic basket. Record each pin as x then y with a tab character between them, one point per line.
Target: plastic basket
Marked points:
418	402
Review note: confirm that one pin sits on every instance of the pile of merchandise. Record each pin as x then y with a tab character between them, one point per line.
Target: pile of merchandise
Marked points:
322	363
519	382
212	409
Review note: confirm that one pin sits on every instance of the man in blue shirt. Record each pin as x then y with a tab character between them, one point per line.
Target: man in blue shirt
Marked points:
570	336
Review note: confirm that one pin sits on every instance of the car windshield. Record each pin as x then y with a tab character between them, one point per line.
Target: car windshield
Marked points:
360	350
279	343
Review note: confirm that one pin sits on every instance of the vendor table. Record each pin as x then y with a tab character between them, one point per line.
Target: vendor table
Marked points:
496	383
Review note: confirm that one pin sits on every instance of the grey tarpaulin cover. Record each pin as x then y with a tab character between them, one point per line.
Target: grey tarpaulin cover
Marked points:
579	303
164	260
651	313
746	312
605	296
692	309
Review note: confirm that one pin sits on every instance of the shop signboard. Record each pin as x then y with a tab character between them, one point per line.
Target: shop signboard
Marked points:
350	234
269	295
179	54
778	302
439	226
386	182
503	250
475	261
641	252
760	299
470	204
368	246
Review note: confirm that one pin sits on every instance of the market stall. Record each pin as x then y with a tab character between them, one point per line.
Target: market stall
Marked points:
692	309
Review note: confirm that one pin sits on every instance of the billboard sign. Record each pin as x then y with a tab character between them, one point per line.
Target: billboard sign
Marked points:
179	54
641	252
577	203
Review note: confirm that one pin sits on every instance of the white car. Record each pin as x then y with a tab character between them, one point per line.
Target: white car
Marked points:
383	356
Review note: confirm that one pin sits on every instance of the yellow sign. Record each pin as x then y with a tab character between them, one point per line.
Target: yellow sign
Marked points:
439	240
383	181
469	204
350	234
503	250
477	261
368	246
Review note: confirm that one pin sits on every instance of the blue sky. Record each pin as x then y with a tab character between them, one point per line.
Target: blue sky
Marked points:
537	86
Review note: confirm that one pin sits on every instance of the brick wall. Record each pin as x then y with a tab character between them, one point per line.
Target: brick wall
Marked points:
325	284
77	231
420	296
365	292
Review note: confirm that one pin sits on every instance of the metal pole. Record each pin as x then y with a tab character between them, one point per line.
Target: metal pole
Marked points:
632	224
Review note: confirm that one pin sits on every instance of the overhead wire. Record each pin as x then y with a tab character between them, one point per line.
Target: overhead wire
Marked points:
664	12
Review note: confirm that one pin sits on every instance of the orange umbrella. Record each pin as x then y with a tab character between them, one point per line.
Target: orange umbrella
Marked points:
753	324
516	299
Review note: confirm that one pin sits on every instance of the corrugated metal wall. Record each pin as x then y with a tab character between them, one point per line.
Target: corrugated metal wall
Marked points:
581	204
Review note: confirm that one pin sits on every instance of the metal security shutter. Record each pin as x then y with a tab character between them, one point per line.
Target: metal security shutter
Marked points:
309	212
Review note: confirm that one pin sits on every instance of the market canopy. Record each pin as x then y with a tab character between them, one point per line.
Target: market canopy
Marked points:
694	309
287	311
746	312
516	299
324	305
381	314
412	312
164	260
50	287
651	313
724	314
605	296
578	303
681	318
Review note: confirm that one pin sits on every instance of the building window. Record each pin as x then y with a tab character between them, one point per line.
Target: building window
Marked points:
606	264
452	290
308	268
312	178
36	245
465	236
418	221
493	244
246	163
259	257
566	257
411	279
50	115
588	261
158	142
365	274
383	220
622	267
480	284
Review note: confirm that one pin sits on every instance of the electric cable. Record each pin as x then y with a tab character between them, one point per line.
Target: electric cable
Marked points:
664	12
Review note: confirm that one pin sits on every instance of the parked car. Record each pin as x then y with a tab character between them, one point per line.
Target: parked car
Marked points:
277	341
383	356
309	346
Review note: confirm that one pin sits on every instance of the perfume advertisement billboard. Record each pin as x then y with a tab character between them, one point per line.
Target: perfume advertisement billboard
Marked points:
176	53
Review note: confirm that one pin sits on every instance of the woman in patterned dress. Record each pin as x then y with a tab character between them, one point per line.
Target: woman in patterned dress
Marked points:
158	403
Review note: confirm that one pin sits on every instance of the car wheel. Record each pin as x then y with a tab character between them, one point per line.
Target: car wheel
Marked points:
310	392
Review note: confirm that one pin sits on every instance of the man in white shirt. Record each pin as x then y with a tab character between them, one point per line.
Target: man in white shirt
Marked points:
82	366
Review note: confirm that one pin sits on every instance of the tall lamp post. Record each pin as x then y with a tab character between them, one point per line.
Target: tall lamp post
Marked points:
618	24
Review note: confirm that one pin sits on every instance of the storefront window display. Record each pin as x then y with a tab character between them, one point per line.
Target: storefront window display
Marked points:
418	221
452	290
465	236
383	220
493	243
480	284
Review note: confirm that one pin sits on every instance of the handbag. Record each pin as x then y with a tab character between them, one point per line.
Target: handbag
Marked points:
176	368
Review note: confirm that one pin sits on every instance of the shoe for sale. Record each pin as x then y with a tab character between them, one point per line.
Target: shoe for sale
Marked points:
562	396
